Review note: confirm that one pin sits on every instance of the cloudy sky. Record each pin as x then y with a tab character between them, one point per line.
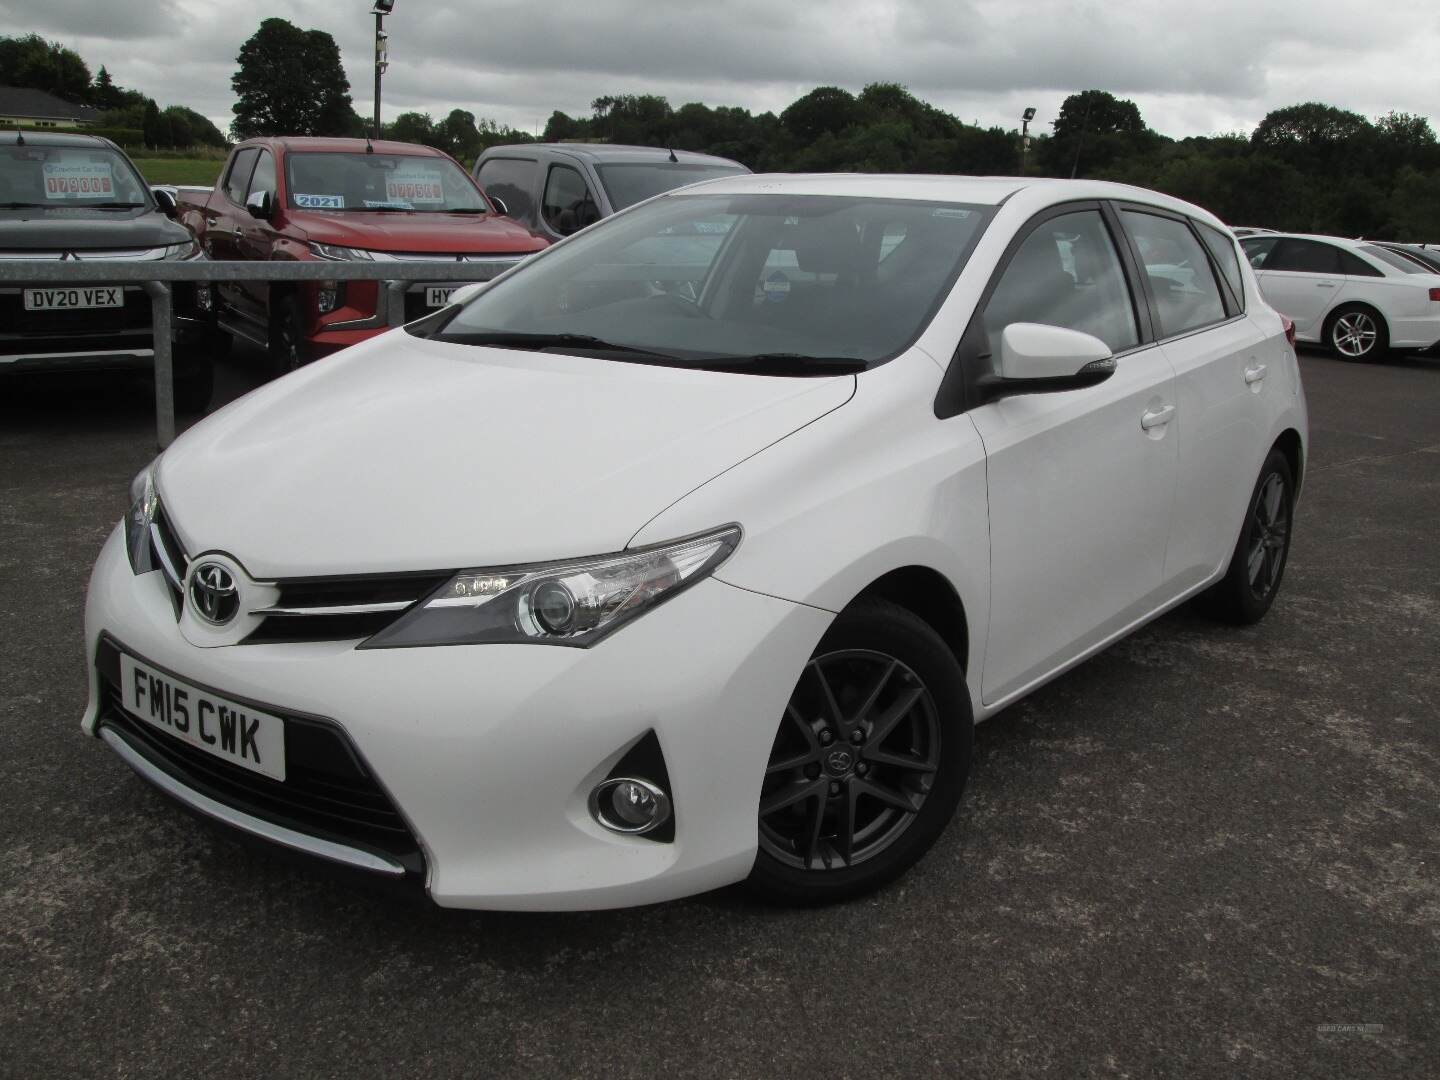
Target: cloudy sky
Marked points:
1193	67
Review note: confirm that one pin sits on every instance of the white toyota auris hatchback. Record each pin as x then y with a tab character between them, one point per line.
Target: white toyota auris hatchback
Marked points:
690	550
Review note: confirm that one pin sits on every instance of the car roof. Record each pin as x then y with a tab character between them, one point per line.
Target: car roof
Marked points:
317	144
611	154
979	190
54	138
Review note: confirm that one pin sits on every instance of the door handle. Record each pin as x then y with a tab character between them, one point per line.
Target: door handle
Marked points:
1324	285
1153	418
1254	374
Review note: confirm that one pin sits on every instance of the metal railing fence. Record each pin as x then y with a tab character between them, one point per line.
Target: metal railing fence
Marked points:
158	279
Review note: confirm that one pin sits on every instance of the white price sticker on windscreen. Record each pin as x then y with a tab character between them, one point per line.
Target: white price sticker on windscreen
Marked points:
414	185
78	180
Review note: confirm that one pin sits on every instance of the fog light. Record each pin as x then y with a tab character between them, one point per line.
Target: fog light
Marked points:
624	805
327	297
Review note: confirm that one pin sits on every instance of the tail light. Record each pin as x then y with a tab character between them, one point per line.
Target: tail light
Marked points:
1289	323
1435	295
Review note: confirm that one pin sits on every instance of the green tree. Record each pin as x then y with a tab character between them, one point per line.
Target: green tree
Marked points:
826	110
561	127
37	64
290	82
411	127
1094	130
190	128
105	94
157	131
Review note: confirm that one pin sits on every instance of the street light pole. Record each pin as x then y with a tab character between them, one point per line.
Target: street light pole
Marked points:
380	10
1025	138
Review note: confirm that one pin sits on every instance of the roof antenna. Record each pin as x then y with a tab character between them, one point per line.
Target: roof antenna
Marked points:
673	158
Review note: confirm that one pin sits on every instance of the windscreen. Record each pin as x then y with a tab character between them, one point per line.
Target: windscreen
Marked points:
779	281
629	184
73	176
379	182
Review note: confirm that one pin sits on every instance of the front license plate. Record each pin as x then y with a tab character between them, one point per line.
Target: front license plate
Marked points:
235	733
439	295
99	296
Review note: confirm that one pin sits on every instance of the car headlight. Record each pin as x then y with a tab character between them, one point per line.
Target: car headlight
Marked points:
187	250
138	519
573	603
341	254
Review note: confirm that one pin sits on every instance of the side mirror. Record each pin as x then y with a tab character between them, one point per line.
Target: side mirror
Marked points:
1037	359
261	205
467	292
500	205
165	199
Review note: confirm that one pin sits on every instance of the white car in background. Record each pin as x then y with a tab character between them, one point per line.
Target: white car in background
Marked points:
1358	298
632	573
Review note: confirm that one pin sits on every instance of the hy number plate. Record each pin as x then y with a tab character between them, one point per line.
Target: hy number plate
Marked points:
235	733
437	296
100	296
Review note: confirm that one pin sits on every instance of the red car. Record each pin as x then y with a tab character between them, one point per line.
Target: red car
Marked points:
341	200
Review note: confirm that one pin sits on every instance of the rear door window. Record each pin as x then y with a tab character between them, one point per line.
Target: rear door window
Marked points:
1182	284
510	180
1223	248
1304	257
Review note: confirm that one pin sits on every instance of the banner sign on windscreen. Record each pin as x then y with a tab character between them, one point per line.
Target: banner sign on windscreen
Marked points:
414	185
78	180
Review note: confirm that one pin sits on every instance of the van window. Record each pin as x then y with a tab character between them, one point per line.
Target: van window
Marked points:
510	180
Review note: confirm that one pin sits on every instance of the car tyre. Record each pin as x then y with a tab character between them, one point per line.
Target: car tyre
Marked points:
869	761
288	349
1257	565
1357	332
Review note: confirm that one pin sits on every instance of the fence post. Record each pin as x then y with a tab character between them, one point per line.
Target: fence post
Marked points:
161	309
395	301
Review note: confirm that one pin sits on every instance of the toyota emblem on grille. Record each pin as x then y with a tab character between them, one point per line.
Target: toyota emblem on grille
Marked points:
214	595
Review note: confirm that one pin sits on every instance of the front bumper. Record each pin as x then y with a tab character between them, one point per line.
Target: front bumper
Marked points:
490	752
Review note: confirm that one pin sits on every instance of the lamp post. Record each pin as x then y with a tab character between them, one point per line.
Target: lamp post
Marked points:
382	55
1025	138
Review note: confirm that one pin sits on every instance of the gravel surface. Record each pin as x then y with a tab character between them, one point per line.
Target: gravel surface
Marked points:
1190	857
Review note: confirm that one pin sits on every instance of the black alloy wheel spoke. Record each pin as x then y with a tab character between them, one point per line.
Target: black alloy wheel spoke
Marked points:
874	695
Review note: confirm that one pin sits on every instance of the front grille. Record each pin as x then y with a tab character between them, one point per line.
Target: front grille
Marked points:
328	792
341	608
167	553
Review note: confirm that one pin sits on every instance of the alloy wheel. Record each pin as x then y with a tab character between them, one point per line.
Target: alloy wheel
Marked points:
1355	334
1269	537
852	764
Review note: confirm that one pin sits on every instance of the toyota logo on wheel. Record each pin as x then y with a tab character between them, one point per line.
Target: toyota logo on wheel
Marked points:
214	595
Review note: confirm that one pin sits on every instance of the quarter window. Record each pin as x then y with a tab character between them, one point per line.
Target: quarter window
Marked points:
1258	249
239	178
1182	284
568	205
510	180
1065	273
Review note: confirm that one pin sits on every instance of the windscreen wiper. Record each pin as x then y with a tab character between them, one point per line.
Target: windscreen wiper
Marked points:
537	342
21	206
115	206
785	363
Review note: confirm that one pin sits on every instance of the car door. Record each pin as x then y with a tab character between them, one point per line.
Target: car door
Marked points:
1220	364
1080	483
1302	279
222	227
255	238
